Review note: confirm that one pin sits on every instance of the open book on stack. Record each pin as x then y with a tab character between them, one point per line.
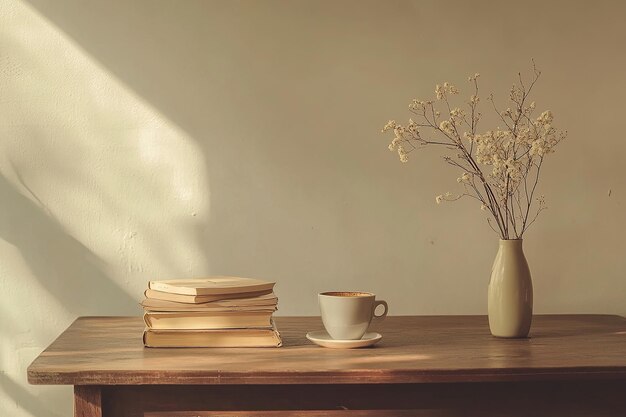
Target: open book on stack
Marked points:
210	312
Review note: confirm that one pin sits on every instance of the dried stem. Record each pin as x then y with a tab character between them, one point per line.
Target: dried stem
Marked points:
501	168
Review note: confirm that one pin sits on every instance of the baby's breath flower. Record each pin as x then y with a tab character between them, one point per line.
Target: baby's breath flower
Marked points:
391	124
402	154
447	127
464	178
439	91
394	143
515	94
483	207
449	88
417	104
457	113
444	197
545	118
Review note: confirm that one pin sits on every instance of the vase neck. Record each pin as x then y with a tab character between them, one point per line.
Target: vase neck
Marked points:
511	244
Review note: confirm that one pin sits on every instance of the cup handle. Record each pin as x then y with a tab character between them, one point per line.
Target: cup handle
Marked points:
380	303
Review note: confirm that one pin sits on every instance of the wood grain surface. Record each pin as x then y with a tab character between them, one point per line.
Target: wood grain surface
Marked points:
87	401
421	349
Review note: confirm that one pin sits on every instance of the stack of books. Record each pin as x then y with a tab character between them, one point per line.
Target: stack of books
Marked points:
210	312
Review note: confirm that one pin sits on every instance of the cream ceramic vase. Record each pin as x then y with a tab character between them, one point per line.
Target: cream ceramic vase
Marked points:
510	295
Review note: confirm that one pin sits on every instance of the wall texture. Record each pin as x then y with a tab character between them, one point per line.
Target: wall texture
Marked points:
162	139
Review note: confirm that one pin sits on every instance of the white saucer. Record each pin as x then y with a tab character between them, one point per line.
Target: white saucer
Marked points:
322	338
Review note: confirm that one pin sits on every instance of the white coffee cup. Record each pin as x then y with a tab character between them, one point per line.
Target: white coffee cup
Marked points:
347	314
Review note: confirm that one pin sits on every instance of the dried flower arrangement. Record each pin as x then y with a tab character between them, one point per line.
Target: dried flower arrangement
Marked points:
499	168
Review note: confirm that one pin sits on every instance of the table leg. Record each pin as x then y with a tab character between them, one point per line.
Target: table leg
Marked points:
87	401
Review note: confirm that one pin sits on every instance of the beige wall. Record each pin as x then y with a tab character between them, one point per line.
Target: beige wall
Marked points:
155	139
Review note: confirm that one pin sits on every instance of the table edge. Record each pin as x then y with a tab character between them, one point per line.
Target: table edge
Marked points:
325	377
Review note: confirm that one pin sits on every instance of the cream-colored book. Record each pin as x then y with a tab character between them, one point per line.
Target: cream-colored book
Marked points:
200	308
199	299
204	320
267	301
213	338
218	285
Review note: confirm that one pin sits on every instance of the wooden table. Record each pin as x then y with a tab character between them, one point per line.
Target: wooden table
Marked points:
572	365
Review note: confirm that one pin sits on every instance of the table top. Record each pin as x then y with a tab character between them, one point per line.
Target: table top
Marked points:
414	349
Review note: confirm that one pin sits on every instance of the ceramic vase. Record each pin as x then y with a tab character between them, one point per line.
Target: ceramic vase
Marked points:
510	293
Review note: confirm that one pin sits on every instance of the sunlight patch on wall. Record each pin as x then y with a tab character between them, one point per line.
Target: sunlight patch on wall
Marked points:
98	157
100	192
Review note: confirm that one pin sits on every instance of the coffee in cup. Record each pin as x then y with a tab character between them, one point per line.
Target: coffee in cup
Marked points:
347	315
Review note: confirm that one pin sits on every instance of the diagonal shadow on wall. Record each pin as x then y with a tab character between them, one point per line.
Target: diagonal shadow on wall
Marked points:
62	264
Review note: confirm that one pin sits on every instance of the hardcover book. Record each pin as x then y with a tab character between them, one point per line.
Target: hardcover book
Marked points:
224	338
199	299
208	320
267	301
218	285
